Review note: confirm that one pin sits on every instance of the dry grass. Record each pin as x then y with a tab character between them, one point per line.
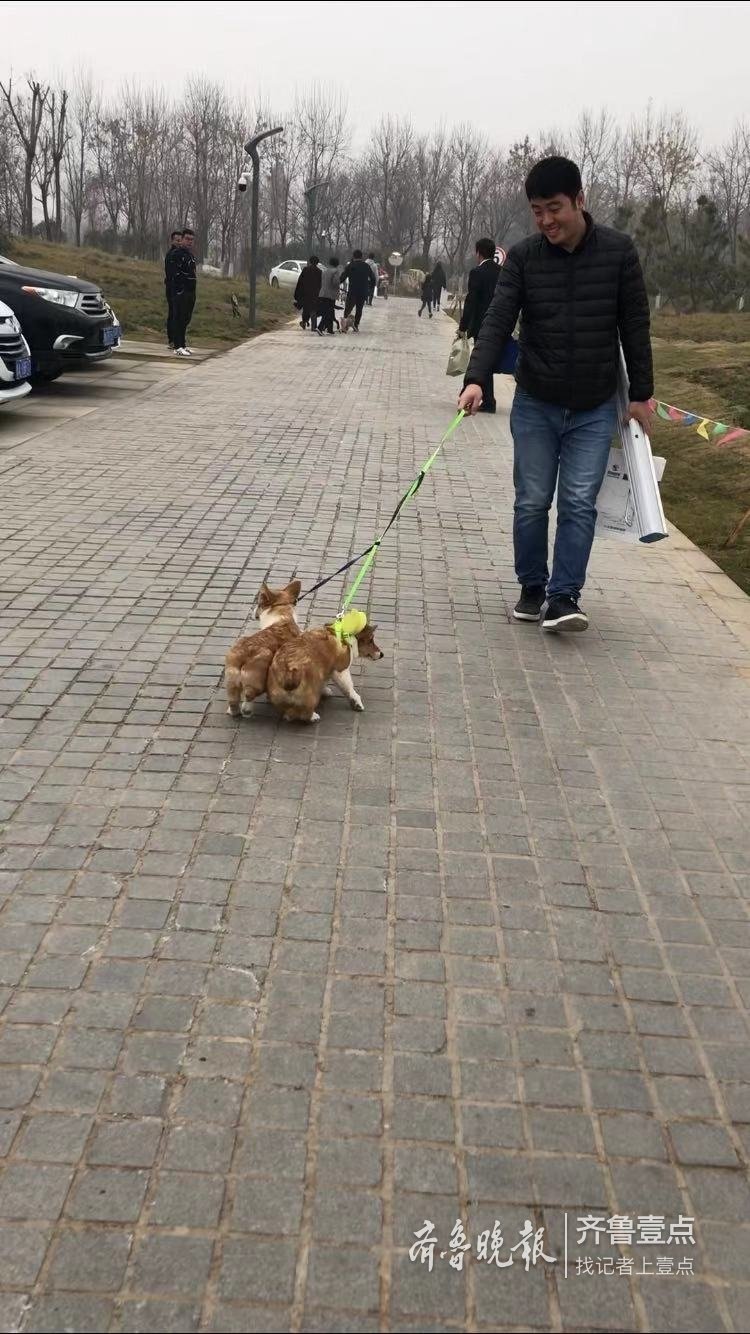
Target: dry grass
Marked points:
706	488
135	288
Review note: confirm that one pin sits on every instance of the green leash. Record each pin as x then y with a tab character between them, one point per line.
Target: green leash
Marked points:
372	551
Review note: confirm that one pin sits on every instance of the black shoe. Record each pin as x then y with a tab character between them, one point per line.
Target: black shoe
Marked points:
564	614
530	603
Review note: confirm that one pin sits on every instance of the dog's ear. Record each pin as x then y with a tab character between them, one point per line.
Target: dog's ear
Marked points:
264	596
295	588
372	629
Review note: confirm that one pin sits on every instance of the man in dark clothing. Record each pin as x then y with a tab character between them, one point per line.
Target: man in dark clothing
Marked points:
580	292
307	291
358	276
439	282
169	274
481	289
184	292
427	295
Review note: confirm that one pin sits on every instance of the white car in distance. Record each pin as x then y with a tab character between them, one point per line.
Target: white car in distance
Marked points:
286	273
15	358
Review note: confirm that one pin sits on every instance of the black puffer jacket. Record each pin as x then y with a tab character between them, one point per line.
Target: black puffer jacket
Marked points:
574	307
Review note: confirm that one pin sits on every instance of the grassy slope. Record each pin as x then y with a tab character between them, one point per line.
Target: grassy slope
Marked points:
135	289
703	365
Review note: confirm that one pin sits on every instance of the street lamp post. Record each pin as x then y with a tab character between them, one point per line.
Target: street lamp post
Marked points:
251	148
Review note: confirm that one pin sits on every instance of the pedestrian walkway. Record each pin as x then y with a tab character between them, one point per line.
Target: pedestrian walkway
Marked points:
279	998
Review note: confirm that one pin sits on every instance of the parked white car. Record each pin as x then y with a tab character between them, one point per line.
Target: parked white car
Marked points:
286	273
15	358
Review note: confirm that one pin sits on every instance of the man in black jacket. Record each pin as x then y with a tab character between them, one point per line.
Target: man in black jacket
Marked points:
580	292
307	291
358	275
479	294
170	261
184	292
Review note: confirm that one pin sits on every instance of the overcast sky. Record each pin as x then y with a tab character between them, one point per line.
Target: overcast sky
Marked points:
512	69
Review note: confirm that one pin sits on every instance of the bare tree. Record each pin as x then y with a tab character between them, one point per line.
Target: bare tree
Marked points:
26	112
229	202
469	154
391	181
84	112
625	167
729	174
670	158
53	139
591	145
322	131
433	171
11	174
206	122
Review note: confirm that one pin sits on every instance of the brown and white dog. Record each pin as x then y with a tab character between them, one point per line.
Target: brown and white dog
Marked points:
248	661
300	669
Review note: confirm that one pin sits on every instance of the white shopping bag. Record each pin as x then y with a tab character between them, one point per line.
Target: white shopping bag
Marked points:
629	505
615	505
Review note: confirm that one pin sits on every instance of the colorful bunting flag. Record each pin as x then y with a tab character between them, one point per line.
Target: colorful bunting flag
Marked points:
721	434
734	434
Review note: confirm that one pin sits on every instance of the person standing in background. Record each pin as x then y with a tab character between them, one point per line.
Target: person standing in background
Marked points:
373	266
358	276
427	294
307	291
439	284
185	283
482	283
170	260
329	290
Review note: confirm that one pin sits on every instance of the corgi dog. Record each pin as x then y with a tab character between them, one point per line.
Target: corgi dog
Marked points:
247	662
300	669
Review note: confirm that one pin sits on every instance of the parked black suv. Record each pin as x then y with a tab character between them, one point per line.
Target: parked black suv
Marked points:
65	320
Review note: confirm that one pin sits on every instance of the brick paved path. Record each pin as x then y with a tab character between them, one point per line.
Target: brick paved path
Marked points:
277	996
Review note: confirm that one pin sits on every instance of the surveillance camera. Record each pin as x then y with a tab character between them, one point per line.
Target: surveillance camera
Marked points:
242	183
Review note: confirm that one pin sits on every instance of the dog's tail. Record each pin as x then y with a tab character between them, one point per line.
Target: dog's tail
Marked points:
292	678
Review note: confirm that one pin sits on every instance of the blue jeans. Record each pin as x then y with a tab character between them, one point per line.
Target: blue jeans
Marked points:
554	446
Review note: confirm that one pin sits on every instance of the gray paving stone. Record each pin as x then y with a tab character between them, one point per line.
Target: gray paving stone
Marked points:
93	1260
171	1264
22	1252
87	1314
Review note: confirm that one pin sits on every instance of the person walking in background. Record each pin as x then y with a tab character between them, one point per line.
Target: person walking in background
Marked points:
427	294
169	276
580	292
373	266
358	277
185	283
439	284
307	291
481	289
329	289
